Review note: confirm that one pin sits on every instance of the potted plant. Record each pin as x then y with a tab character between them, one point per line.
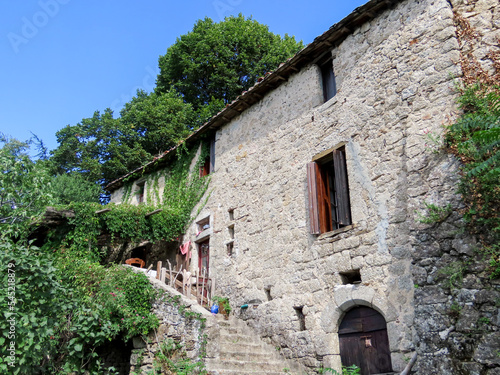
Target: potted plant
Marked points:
224	306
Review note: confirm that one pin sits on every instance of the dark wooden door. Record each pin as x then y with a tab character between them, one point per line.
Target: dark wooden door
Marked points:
364	341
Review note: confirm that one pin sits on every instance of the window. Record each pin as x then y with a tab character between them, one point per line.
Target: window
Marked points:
328	79
140	191
328	189
203	224
204	257
209	162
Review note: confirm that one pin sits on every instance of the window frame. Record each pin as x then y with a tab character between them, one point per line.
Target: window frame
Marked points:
209	162
328	189
328	81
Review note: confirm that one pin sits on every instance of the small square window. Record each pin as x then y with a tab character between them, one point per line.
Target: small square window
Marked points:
350	277
203	224
328	188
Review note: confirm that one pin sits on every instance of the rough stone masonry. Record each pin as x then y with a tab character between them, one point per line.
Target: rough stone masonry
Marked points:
395	78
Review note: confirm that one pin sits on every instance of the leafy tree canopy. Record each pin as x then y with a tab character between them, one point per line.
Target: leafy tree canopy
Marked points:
218	61
73	187
100	148
159	120
24	188
200	73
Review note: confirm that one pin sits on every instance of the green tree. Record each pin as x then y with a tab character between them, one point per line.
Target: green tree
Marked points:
73	187
24	188
100	148
160	120
218	61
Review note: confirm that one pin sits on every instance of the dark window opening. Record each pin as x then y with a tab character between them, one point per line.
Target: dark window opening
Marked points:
209	162
328	188
203	224
267	290
231	214
350	277
328	80
140	192
230	229
230	248
301	316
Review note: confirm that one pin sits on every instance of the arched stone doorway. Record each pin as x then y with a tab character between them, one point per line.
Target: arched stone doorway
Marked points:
364	342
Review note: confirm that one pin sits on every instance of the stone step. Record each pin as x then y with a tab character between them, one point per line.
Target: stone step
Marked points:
244	372
245	355
240	351
248	366
243	347
239	338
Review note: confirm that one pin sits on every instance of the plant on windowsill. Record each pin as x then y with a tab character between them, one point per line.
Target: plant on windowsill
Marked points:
224	306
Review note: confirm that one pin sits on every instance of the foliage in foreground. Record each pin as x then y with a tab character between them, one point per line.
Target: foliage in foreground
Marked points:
57	316
475	139
24	188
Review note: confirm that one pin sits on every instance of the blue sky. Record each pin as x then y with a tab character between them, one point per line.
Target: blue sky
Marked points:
61	60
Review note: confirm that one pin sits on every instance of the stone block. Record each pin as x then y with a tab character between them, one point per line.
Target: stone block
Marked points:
333	362
330	318
487	350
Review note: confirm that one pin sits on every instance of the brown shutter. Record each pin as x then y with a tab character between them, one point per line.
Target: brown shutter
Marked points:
313	173
341	188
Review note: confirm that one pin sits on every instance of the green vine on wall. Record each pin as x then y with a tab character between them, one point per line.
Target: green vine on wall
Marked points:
182	192
475	139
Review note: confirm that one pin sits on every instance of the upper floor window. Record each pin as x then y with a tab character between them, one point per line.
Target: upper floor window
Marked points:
328	79
140	191
329	204
209	163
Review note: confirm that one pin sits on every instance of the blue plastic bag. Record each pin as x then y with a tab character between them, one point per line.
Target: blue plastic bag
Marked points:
214	309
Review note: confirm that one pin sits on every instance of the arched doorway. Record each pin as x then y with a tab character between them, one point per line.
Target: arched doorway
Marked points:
364	342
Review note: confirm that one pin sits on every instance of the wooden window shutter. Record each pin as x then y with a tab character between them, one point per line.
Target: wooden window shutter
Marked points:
313	173
341	188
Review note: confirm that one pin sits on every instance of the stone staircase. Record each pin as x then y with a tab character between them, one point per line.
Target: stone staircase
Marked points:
235	349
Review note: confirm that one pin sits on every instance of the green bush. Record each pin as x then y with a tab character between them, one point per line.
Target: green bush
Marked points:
64	312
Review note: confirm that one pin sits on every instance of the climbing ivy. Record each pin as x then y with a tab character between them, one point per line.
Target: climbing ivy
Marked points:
182	192
475	139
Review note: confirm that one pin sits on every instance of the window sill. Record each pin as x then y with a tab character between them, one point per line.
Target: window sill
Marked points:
335	232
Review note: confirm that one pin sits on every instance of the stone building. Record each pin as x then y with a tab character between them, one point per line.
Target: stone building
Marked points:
317	177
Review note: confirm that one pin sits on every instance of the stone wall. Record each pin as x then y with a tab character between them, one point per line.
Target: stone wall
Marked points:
394	85
395	92
175	325
457	317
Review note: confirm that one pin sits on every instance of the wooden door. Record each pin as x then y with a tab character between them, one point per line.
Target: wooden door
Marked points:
204	257
364	342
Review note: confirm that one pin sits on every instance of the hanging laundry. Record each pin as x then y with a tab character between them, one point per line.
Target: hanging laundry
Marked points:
185	249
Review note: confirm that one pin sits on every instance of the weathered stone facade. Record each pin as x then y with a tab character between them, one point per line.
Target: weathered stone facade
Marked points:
174	326
395	85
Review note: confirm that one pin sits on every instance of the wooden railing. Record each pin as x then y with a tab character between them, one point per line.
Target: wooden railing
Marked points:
198	285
